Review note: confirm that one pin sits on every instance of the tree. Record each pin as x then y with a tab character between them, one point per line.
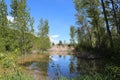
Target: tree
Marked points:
115	16
94	14
21	16
43	28
43	33
107	25
88	18
31	25
3	24
60	43
72	35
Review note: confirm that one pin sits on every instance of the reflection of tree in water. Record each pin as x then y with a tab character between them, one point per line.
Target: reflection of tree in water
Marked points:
72	69
57	72
60	56
54	67
72	66
43	66
89	66
64	57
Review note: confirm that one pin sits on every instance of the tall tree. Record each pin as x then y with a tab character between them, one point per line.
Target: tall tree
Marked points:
72	35
43	34
3	23
88	17
94	14
32	25
21	16
115	16
107	24
43	28
29	35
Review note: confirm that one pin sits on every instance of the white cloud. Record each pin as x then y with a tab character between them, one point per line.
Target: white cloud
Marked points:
10	18
53	38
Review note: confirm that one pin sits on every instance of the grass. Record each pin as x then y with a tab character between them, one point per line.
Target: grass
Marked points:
9	68
17	75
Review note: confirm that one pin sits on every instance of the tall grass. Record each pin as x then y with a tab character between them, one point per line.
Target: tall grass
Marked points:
16	76
96	76
10	69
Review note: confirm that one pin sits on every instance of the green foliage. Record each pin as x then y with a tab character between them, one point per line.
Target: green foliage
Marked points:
7	60
72	35
3	24
22	23
2	45
89	22
43	28
92	31
98	32
19	33
117	43
3	15
86	77
113	72
16	76
44	43
96	76
12	70
43	38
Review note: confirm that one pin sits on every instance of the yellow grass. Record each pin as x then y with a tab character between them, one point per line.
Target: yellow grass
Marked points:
33	58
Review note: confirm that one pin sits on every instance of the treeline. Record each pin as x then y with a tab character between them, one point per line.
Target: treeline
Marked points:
98	25
98	32
18	34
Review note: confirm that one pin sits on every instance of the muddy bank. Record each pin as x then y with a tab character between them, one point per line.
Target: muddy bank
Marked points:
62	50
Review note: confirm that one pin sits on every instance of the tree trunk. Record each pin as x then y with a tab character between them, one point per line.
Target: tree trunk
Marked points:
107	25
115	17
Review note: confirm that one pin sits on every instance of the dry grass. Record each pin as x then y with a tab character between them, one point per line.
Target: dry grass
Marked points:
1	70
33	58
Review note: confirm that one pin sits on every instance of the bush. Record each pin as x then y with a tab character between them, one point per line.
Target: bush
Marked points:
11	69
113	72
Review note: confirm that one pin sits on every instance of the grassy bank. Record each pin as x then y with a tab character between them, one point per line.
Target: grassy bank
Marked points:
10	70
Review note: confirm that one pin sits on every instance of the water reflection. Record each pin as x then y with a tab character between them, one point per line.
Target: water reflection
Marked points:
65	66
86	67
73	65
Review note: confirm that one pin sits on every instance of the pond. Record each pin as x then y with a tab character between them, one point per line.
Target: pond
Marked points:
69	66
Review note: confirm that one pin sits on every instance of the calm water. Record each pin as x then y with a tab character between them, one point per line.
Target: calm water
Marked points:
65	66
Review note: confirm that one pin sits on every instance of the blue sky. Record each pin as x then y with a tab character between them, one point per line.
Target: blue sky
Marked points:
60	14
